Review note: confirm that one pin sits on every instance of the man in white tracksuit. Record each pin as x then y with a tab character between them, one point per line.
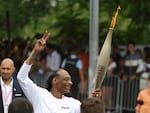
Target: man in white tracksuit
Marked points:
44	101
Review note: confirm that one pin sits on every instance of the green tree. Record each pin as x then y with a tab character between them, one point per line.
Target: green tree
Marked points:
70	18
132	24
20	12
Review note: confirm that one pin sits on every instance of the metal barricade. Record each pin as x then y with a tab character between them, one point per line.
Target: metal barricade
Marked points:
111	93
120	95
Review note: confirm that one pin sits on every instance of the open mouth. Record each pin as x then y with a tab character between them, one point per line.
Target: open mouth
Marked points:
68	87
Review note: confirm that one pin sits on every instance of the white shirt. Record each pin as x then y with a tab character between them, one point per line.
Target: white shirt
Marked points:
112	65
53	61
42	100
6	94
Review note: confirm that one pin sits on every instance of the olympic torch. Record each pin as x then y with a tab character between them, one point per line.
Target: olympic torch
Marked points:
104	56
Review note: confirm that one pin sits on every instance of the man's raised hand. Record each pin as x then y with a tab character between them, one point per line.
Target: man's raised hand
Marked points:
41	43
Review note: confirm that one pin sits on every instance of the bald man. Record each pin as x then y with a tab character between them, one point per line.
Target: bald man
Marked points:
9	87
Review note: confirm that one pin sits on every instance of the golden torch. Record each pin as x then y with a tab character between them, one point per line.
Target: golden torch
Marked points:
104	56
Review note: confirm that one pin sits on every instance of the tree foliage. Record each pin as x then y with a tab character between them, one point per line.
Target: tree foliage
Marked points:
70	19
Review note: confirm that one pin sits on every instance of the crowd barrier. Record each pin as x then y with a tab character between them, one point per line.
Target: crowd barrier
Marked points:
120	95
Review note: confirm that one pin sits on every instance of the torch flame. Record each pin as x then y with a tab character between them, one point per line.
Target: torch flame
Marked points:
114	18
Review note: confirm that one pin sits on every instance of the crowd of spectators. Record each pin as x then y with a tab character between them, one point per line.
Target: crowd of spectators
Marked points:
134	64
49	60
132	69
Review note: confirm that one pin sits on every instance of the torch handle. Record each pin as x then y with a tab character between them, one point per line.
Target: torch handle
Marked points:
100	75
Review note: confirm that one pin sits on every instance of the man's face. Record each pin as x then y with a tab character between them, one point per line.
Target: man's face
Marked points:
64	82
7	68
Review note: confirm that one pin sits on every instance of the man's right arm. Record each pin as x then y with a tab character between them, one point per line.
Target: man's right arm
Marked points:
30	89
26	84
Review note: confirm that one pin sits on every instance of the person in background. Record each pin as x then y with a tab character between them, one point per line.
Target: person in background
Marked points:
146	68
108	84
92	105
133	62
9	87
116	54
16	53
120	70
20	105
53	58
3	52
84	57
143	99
111	66
42	72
